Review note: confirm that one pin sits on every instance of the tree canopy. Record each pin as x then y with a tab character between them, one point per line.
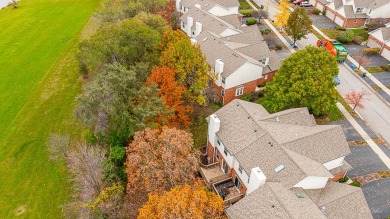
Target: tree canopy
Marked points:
283	14
186	202
126	42
305	79
298	24
160	159
172	94
114	100
188	62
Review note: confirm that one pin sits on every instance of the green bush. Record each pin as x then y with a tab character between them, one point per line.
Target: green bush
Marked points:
253	97
246	12
250	21
279	47
345	37
316	11
357	184
344	179
371	51
262	32
267	31
385	67
340	28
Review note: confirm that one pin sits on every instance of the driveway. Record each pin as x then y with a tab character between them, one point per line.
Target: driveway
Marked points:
377	194
371	60
364	161
322	21
350	133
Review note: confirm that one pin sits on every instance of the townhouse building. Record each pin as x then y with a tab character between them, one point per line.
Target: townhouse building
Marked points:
380	38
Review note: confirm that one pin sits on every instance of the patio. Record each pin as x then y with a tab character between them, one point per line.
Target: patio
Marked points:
228	191
212	173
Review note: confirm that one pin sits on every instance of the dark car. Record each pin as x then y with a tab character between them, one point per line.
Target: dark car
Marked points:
298	2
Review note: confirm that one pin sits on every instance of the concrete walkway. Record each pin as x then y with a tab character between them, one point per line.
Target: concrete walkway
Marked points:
365	136
279	35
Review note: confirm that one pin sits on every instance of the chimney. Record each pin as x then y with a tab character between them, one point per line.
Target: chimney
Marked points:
190	21
198	28
178	5
213	128
257	179
218	68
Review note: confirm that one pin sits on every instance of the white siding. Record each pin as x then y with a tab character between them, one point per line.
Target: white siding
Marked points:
386	54
312	182
246	73
334	163
339	21
330	14
228	158
243	176
373	44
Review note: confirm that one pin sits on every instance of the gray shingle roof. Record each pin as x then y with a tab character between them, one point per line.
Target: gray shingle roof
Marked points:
385	33
296	116
232	19
362	3
208	4
349	13
272	200
338	4
214	48
227	3
343	201
377	3
246	38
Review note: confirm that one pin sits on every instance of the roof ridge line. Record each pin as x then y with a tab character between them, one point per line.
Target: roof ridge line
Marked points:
277	198
301	137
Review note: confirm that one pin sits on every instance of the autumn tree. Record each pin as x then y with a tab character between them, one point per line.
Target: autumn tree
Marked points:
189	64
305	79
356	98
115	101
185	202
298	24
172	94
160	159
112	44
283	14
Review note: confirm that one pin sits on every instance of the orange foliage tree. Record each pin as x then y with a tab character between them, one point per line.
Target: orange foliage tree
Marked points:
167	12
172	94
191	68
160	159
192	202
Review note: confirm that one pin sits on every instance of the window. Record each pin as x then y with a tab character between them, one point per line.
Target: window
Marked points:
265	77
223	80
359	10
225	151
237	183
217	156
219	143
239	90
240	168
223	92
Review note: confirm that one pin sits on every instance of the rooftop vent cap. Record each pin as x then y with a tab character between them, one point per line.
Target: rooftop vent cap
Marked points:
279	168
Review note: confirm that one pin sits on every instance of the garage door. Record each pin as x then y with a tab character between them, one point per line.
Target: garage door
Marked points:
339	21
312	2
330	14
372	44
386	54
320	7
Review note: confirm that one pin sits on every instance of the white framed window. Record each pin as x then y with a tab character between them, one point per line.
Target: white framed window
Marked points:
239	90
225	151
359	10
223	80
219	143
222	92
217	156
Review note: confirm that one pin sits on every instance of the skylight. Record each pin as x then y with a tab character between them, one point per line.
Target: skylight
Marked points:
279	168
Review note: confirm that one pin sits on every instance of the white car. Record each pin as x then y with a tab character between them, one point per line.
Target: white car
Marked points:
305	4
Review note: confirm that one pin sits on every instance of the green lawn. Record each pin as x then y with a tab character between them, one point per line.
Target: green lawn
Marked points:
38	85
332	33
244	5
374	69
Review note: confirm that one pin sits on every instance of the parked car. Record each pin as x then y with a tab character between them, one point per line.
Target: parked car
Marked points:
298	2
305	4
337	80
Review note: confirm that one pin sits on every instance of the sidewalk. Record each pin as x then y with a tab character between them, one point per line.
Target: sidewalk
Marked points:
365	136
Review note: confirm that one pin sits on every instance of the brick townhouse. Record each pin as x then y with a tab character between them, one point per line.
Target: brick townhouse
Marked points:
353	13
380	38
279	165
237	54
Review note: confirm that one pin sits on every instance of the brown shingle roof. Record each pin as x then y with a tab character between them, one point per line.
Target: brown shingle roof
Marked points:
349	13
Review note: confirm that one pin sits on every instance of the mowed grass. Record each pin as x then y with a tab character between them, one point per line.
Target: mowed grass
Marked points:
38	83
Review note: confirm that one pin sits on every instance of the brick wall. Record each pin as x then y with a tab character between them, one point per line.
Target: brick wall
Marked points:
352	22
337	177
210	152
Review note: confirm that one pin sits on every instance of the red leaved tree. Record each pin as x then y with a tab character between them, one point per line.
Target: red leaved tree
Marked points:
172	94
186	202
157	160
356	98
167	12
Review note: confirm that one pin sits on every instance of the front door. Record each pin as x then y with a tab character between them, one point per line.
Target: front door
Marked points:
224	166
